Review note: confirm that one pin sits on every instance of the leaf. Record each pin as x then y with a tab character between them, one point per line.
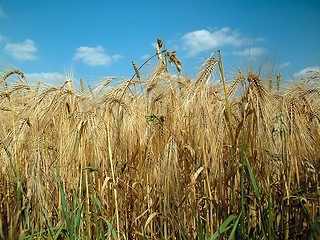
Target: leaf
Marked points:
224	227
257	193
57	235
63	199
253	181
98	203
234	228
78	215
200	230
111	228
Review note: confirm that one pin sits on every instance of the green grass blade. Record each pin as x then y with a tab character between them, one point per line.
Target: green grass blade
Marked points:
112	231
57	235
46	217
98	203
224	227
63	199
258	197
200	229
242	170
78	216
234	228
253	181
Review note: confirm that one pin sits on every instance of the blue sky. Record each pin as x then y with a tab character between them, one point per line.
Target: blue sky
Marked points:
95	39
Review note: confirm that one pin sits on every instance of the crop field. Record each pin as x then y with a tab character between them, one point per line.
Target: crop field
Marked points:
161	156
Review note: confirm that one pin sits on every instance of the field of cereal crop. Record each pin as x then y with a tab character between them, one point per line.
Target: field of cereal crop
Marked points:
161	156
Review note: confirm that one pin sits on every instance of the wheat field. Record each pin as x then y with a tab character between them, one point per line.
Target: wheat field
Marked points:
161	156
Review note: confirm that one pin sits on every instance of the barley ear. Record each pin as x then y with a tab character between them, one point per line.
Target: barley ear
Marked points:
160	42
136	69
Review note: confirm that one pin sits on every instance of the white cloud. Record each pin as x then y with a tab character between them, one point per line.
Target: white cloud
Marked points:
116	57
203	40
145	57
50	78
95	56
2	13
306	72
284	65
25	50
250	52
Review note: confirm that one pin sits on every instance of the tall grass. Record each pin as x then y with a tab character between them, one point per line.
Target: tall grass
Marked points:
160	157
